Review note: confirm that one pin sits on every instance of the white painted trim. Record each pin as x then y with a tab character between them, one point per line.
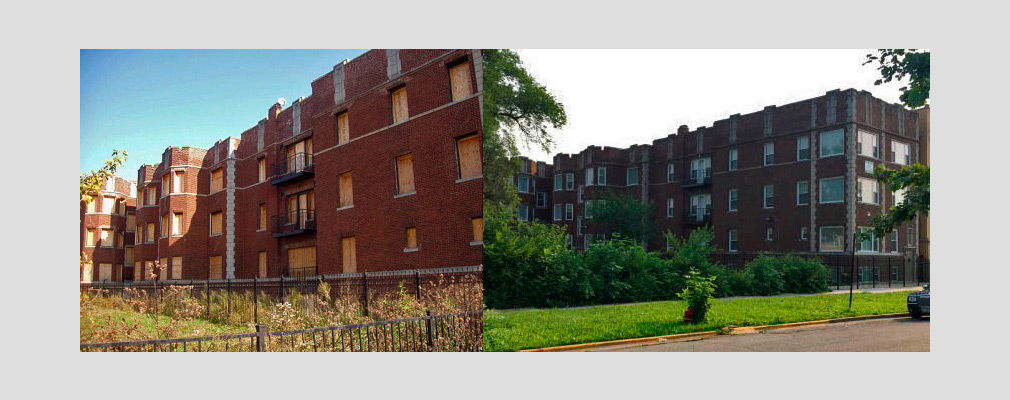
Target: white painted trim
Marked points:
475	177
405	194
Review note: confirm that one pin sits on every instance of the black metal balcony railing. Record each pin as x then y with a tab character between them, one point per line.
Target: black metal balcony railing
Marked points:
699	178
300	272
294	223
293	168
698	216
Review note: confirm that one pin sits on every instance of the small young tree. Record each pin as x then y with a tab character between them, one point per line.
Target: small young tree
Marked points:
623	214
698	291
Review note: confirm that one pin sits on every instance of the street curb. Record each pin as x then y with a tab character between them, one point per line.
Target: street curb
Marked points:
704	334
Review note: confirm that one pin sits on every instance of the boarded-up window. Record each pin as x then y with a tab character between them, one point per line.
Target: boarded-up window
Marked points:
163	269
468	154
411	238
302	261
350	263
89	238
149	238
400	112
262	165
128	255
176	267
119	240
263	264
263	216
121	206
148	270
87	273
215	268
215	223
346	190
405	174
343	129
217	180
151	193
105	272
107	235
131	221
138	235
138	271
177	224
459	75
91	205
478	229
165	183
108	203
164	225
177	182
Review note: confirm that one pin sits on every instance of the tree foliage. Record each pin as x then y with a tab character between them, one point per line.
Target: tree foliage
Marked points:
91	182
516	109
913	180
623	214
898	64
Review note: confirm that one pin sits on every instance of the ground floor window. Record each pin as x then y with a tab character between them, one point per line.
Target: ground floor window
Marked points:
832	238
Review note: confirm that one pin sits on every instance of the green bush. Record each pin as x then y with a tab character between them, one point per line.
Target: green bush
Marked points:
803	275
731	282
698	291
766	280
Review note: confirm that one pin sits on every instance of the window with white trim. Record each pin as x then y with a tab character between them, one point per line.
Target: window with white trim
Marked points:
632	176
832	143
733	239
558	209
868	145
802	193
569	181
868	191
734	196
803	233
590	173
832	190
541	199
558	182
769	196
523	212
523	183
569	211
587	211
831	239
769	234
733	159
900	153
869	244
769	154
669	207
802	148
601	176
669	172
578	226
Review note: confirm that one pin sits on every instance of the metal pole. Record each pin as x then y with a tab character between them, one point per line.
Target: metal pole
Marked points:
261	338
431	336
417	281
852	273
228	299
206	295
256	301
365	277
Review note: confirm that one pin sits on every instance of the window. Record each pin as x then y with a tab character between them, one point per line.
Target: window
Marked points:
89	238
894	241
802	148
262	167
263	217
399	97
348	252
299	156
405	174
215	223
541	199
459	77
128	255
582	193
769	234
870	244
733	157
669	207
732	240
522	212
411	239
803	233
569	181
164	226
568	240
588	209
832	143
632	176
769	196
91	206
590	173
900	153
868	191
769	153
802	193
131	221
733	200
176	224
523	183
899	196
569	211
108	204
148	270
558	182
868	145
468	154
601	176
262	264
478	229
868	167
176	267
910	240
138	236
151	193
104	272
119	240
832	238
669	172
149	235
87	273
832	190
578	226
558	209
701	170
217	180
346	190
216	271
343	129
165	182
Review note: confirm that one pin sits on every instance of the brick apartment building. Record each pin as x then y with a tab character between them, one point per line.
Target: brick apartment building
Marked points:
380	168
107	229
790	178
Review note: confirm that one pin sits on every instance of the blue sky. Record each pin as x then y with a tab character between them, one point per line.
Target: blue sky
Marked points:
143	101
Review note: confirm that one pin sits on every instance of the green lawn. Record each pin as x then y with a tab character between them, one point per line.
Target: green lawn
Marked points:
510	330
100	324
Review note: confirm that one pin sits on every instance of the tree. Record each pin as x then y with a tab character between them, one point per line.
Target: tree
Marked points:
91	183
622	214
896	65
913	182
516	108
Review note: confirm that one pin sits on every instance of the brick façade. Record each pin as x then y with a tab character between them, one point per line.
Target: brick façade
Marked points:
115	254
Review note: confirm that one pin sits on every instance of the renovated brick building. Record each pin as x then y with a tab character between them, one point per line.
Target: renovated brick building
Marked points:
380	168
790	178
107	232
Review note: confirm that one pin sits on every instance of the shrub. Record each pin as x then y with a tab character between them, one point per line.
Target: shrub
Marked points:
697	293
803	275
731	282
766	280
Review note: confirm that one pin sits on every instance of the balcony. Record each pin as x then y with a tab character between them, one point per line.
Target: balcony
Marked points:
294	223
293	169
300	272
699	178
698	216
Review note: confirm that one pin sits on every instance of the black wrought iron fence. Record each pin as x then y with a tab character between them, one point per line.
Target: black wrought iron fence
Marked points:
872	270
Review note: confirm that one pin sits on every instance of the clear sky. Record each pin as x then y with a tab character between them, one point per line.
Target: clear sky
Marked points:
622	97
143	101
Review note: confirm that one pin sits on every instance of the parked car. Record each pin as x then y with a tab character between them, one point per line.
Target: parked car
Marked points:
918	303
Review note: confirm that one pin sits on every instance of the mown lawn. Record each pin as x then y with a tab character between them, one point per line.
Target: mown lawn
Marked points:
101	324
511	330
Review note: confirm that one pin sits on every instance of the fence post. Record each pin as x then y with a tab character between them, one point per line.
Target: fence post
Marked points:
261	338
417	282
431	335
282	289
256	301
228	299
365	277
206	295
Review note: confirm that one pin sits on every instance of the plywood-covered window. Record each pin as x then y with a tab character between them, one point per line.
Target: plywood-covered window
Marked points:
148	270
478	229
216	222
166	182
217	179
262	167
108	204
411	239
343	129
176	224
163	268
87	273
468	156
119	240
263	216
107	235
164	226
302	261
91	205
104	272
459	75
301	208
346	190
177	182
350	259
216	271
89	238
128	255
405	174
131	221
263	264
138	271
176	267
400	113
152	192
149	237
